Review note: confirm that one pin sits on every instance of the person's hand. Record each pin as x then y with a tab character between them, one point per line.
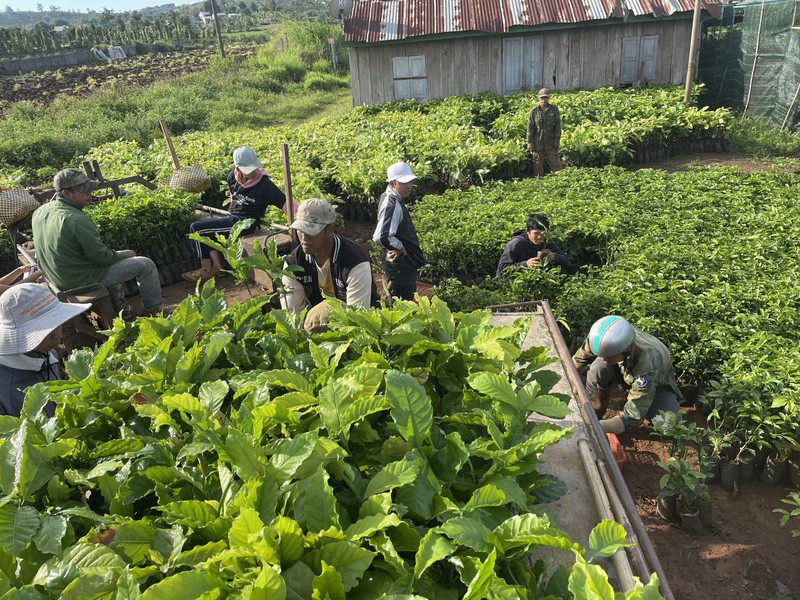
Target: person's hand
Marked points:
532	263
392	255
129	253
23	269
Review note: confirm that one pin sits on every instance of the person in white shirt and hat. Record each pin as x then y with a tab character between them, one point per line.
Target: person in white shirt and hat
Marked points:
30	328
396	234
252	193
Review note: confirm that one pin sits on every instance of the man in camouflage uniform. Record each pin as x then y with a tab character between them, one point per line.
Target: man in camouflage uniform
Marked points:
636	359
544	134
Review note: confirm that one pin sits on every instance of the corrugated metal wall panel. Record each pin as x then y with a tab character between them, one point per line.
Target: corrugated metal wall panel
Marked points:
388	20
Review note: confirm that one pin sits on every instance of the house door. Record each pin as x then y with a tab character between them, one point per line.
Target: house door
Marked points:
513	75
638	63
523	63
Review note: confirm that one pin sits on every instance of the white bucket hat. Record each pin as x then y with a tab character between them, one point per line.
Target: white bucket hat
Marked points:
245	159
401	172
28	313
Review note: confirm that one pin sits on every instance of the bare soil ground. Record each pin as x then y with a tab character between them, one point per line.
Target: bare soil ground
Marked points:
747	555
83	80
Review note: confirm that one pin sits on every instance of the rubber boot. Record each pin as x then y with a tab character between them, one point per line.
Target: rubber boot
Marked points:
599	400
612	425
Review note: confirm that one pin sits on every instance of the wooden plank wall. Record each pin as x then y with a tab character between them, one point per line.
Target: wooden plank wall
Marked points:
585	57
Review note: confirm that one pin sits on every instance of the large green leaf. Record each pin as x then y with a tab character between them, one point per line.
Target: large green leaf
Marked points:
289	454
433	548
494	385
334	399
127	587
133	540
91	586
246	528
487	495
607	537
411	407
367	526
299	579
549	406
349	560
212	394
419	496
589	582
529	529
289	380
471	533
199	554
290	538
478	586
320	510
192	513
187	585
51	532
248	460
269	585
328	584
23	468
18	525
395	474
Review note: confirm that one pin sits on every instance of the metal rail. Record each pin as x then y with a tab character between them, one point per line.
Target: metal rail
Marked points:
643	553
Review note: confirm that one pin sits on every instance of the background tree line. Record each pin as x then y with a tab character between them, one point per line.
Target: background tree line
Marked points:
53	32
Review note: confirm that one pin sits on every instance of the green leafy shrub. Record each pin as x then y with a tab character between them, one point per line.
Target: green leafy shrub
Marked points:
226	452
752	136
315	80
701	259
144	221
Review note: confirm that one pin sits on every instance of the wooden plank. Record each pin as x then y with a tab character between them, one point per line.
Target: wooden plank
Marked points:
576	54
355	74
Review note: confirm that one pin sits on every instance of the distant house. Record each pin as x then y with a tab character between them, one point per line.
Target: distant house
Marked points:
207	19
437	48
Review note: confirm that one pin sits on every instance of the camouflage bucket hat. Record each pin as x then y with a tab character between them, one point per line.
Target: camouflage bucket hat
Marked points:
73	179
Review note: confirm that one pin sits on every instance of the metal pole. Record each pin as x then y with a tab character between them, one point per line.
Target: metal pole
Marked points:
619	485
691	69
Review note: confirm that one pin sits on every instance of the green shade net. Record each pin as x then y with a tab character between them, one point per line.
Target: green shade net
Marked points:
750	61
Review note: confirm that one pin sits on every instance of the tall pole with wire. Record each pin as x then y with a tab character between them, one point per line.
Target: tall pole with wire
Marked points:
217	29
691	69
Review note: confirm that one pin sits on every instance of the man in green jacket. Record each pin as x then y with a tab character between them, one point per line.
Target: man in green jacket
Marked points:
544	134
71	254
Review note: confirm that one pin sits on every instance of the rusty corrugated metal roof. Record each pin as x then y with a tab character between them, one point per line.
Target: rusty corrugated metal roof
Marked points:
388	20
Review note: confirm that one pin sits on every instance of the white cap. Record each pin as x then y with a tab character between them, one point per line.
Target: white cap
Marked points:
401	172
245	160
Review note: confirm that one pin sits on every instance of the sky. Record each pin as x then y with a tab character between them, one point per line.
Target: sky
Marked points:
97	5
